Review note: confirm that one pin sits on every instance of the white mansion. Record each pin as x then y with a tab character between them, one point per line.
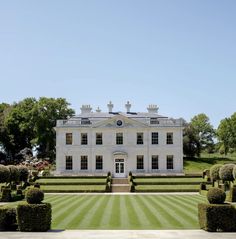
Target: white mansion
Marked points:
98	142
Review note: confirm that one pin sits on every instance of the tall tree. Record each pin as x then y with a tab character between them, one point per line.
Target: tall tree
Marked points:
204	131
191	144
226	133
48	111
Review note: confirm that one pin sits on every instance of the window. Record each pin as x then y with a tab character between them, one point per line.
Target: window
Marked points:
84	162
85	121
69	163
154	137
139	138
99	164
155	162
68	138
98	138
140	162
84	138
119	138
169	138
170	162
154	121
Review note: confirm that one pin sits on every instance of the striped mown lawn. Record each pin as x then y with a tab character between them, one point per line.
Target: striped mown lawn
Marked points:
124	211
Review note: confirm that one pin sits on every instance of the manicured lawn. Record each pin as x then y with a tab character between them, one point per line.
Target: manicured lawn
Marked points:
168	180
124	211
197	165
72	180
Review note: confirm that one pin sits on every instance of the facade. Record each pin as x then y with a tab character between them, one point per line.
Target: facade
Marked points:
94	143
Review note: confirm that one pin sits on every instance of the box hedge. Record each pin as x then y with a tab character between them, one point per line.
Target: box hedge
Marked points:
6	195
232	194
8	219
34	217
217	217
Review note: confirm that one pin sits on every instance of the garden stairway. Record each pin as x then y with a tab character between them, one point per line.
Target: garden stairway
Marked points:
119	185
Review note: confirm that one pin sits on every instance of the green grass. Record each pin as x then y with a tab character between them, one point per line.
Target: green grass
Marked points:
168	180
167	188
197	165
124	211
68	188
72	180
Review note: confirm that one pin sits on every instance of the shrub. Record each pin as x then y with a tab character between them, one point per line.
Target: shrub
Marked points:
232	194
24	173
214	217
6	195
216	196
34	217
226	172
132	187
14	173
234	172
214	172
109	174
108	187
37	185
34	196
8	219
4	174
202	186
130	174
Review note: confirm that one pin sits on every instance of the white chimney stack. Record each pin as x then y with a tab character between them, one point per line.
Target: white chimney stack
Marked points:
152	109
110	107
127	106
86	109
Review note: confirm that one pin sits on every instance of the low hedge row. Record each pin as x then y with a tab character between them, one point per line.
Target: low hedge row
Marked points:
66	177
232	194
217	217
165	190
72	183
34	217
169	176
73	191
170	183
8	219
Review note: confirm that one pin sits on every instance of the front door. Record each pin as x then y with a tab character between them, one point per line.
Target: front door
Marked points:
119	168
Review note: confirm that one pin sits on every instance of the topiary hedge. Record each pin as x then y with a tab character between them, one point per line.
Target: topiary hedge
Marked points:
14	173
34	196
234	172
216	196
34	217
4	174
6	195
232	194
226	172
24	173
214	172
8	219
215	217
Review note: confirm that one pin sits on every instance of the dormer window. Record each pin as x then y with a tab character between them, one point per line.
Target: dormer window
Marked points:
85	121
154	121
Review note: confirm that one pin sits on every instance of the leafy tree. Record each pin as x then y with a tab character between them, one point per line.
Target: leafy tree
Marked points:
226	133
48	111
204	131
191	145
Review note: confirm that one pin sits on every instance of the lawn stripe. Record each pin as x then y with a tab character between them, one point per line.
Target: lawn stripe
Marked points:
63	200
167	213
73	212
124	218
51	197
114	221
142	214
153	213
90	218
106	216
58	199
66	204
134	221
179	211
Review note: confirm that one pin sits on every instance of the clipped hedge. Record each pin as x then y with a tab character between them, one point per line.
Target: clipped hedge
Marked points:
214	172
34	217
34	195
4	174
217	217
6	195
216	195
232	194
226	172
8	219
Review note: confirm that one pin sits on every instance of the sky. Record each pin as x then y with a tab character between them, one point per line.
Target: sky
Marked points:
177	54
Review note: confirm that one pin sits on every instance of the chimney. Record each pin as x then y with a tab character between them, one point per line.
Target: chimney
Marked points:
98	109
127	106
110	106
86	109
152	109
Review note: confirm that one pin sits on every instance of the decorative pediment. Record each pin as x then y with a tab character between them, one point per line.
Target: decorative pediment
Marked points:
119	121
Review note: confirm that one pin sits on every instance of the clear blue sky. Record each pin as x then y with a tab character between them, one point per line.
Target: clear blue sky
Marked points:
180	55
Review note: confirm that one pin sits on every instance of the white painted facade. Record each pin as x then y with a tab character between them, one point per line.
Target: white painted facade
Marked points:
154	155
